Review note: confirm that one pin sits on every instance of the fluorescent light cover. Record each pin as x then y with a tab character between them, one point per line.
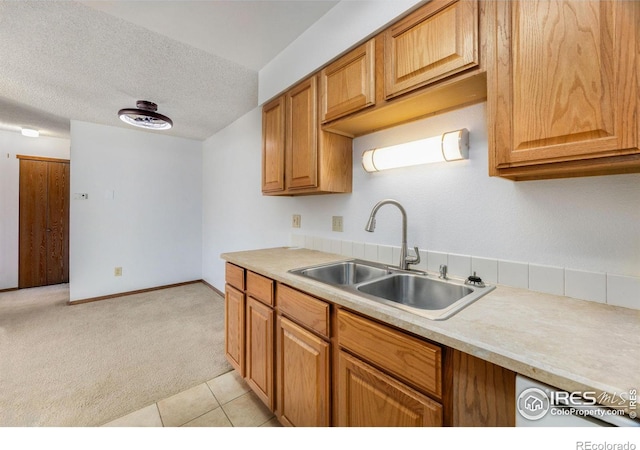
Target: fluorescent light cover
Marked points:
30	132
451	146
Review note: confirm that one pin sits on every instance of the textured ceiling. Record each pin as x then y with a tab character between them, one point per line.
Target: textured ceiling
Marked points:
198	61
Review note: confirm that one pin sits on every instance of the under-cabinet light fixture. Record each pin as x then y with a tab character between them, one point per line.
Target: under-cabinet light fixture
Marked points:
450	146
30	132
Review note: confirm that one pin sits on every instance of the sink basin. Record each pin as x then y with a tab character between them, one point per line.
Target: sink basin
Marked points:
416	291
344	273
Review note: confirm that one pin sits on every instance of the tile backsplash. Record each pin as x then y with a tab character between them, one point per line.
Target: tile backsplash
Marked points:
617	290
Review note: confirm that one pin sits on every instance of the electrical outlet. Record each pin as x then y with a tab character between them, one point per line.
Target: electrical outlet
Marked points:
336	223
117	272
296	221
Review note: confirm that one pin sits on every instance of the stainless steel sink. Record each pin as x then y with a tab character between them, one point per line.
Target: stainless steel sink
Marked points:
415	292
344	273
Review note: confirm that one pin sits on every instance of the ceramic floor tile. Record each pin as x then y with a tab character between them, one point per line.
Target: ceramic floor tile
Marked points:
228	386
215	418
247	411
145	417
272	423
185	406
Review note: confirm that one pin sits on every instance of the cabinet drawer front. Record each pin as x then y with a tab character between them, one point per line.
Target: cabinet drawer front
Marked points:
234	276
304	309
260	288
434	42
408	358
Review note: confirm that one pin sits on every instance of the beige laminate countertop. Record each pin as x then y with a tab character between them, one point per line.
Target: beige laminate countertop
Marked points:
571	344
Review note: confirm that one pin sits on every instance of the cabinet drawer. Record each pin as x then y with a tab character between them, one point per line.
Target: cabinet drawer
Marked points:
406	357
260	288
306	310
234	276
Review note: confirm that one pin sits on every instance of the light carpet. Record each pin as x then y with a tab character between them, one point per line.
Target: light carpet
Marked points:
87	364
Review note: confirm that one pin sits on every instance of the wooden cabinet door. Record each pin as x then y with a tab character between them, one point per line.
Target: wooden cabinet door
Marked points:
369	398
436	41
302	376
302	136
259	350
273	145
44	222
348	84
234	328
563	82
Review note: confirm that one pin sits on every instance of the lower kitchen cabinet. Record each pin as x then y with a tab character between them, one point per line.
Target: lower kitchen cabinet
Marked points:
259	350
302	376
369	398
315	363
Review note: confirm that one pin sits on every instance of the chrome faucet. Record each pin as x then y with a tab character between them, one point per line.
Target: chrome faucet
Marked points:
405	259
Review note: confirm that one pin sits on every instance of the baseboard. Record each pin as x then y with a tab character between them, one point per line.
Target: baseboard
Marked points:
213	288
123	294
11	289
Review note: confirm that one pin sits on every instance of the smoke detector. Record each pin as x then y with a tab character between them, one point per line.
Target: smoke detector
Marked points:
145	116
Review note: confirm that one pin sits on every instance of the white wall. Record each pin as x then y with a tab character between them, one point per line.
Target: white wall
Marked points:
235	214
152	225
588	224
12	144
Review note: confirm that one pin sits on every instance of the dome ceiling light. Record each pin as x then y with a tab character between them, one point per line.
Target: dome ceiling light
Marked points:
145	116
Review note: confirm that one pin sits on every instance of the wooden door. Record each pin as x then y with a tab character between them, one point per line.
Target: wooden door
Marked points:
273	145
436	41
303	376
234	328
44	222
259	350
370	398
348	84
563	83
302	136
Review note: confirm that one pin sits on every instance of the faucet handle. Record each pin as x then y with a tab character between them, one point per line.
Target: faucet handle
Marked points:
413	259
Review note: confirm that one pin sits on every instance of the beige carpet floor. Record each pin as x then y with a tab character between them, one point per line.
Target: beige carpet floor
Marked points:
84	365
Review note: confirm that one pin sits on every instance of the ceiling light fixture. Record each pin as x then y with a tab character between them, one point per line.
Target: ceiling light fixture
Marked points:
450	146
145	116
30	132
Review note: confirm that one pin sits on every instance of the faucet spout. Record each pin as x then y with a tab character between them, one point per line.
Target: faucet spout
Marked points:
405	260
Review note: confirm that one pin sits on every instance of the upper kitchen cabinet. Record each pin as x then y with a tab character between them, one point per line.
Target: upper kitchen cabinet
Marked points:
563	89
298	158
348	84
434	42
429	62
273	140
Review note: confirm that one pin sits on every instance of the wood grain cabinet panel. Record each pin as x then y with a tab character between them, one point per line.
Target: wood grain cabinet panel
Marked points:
273	145
302	135
234	276
563	88
348	84
259	350
406	357
302	376
433	43
234	324
369	398
304	309
260	288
